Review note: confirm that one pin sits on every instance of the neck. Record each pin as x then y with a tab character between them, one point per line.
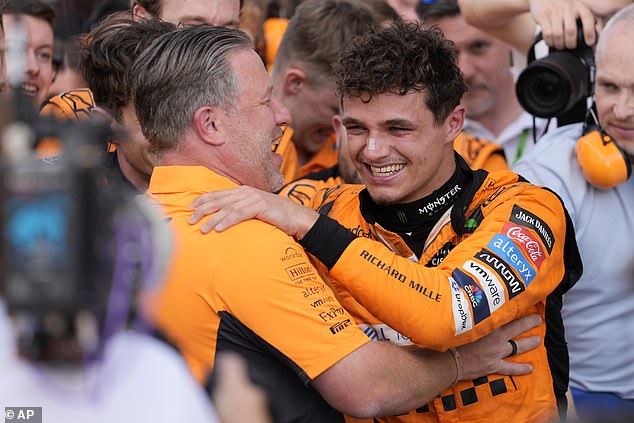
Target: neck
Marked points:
423	212
138	179
184	156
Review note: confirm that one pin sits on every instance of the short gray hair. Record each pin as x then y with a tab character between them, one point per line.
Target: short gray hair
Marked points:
179	73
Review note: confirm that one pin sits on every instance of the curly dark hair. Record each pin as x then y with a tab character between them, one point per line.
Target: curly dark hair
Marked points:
399	59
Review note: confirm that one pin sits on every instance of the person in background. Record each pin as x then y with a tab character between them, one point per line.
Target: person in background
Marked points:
189	12
588	165
67	72
491	106
109	52
303	82
406	9
34	18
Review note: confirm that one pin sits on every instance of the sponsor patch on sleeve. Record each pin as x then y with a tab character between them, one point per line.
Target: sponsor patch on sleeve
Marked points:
529	220
475	295
530	246
489	282
504	247
461	311
514	285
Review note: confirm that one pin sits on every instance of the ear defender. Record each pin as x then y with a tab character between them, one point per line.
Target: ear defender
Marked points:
603	163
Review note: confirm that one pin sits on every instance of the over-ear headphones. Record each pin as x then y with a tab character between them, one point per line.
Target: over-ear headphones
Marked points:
603	162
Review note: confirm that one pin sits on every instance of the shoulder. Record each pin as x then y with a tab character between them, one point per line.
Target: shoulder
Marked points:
341	197
553	164
553	151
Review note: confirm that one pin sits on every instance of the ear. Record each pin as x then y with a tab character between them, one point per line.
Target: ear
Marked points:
293	81
207	125
454	123
139	14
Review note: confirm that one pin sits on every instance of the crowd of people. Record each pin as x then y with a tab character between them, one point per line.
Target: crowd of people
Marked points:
357	219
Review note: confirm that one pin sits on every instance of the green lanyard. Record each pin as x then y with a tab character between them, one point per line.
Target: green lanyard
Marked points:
521	146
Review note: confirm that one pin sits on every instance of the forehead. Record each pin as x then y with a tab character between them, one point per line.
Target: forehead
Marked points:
614	61
388	107
212	12
253	80
38	30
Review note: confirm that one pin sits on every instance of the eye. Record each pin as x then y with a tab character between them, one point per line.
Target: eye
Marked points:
608	86
397	130
44	56
479	47
353	130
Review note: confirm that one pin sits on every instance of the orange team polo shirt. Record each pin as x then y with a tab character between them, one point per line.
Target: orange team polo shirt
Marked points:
249	279
325	158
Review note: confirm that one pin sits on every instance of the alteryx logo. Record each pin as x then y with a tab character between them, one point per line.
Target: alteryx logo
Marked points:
504	247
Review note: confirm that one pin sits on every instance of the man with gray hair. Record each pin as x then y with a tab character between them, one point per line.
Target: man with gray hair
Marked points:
583	165
204	101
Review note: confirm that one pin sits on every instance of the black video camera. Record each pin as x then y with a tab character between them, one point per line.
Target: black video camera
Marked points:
558	84
74	245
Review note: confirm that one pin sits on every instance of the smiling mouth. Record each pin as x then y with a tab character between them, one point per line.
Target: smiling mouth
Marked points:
388	170
29	89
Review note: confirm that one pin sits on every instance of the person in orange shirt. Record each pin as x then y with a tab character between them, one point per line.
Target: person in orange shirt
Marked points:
302	80
430	252
204	100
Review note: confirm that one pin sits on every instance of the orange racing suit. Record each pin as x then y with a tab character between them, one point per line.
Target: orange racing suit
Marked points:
505	249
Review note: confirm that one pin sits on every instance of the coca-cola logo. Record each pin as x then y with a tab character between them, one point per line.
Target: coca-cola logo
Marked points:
526	242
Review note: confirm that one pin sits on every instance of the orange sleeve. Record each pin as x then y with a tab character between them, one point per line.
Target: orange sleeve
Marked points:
513	261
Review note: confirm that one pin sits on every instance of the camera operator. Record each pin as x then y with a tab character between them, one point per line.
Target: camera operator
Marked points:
582	164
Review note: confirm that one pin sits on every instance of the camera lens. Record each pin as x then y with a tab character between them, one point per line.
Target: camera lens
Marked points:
551	86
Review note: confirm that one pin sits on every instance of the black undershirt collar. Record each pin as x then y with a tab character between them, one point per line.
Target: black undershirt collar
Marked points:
414	221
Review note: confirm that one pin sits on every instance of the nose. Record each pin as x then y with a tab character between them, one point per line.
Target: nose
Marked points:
624	106
31	65
375	148
281	113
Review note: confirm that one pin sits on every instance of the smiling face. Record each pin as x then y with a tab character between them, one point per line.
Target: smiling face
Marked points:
312	109
38	61
614	92
401	154
253	123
